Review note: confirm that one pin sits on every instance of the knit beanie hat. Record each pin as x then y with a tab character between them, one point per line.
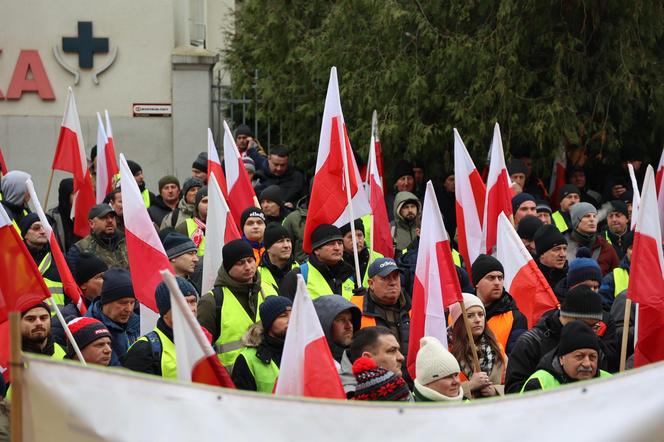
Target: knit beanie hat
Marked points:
134	167
85	331
543	206
517	166
39	304
27	222
579	210
189	183
202	193
583	268
87	267
433	361
324	234
582	303
176	244
272	193
528	226
620	207
117	285
200	163
547	237
468	301
359	225
271	308
567	189
377	384
251	212
575	336
519	199
168	179
483	265
162	295
249	164
243	129
403	168
235	250
273	233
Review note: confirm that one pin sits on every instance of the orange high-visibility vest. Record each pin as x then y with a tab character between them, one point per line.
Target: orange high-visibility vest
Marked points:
501	326
367	321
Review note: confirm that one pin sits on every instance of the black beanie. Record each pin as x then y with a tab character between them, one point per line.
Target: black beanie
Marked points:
251	212
620	207
134	167
517	166
202	193
243	129
547	237
117	285
403	168
88	266
521	198
27	222
271	308
582	303
200	163
176	244
324	234
189	183
272	193
528	226
567	189
162	295
483	265
234	251
575	336
359	225
273	233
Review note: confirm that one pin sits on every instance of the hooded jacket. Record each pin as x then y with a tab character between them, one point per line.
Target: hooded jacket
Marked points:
268	349
158	210
404	232
183	211
327	308
13	192
123	334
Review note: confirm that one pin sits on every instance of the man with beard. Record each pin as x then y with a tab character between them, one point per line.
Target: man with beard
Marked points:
137	171
257	367
36	332
279	172
406	208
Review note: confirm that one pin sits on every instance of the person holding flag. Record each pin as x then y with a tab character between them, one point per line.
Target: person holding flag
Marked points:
366	256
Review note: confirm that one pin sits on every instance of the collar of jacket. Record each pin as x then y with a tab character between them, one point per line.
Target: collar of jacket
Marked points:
270	349
585	239
370	303
276	271
164	328
107	241
97	313
341	271
31	347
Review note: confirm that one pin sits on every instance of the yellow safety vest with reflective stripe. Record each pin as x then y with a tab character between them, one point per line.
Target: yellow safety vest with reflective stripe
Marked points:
167	361
54	287
548	382
559	221
234	322
191	228
372	257
268	283
146	198
606	236
318	286
620	280
265	375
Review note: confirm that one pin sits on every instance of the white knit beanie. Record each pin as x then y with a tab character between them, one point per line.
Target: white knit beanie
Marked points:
433	361
469	301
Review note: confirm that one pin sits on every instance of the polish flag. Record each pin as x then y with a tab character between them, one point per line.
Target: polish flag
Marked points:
21	284
498	195
71	289
646	277
107	166
238	185
196	360
381	237
70	157
219	229
144	249
523	279
470	191
375	143
3	164
659	184
636	196
328	203
214	164
436	284
558	177
307	367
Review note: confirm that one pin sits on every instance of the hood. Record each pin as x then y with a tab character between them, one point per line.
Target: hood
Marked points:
14	188
329	306
401	198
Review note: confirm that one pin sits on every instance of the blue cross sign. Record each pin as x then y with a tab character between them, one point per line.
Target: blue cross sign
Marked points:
85	45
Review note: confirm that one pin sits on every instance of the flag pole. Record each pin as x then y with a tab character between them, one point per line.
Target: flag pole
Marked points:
48	188
61	318
344	155
16	377
625	334
471	340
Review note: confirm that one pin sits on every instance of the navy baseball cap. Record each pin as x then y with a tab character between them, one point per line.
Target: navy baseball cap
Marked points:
383	267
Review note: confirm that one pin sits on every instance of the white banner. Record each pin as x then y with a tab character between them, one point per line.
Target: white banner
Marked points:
76	404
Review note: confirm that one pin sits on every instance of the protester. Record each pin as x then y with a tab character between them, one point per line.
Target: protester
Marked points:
36	334
114	199
137	171
294	225
551	251
446	195
166	201
488	381
365	257
377	384
406	208
199	168
15	195
618	232
582	271
526	229
616	282
523	205
194	227
279	172
272	205
518	173
61	214
248	147
154	353
403	181
257	366
544	212
182	254
93	340
436	373
185	208
277	260
568	195
584	234
380	344
252	223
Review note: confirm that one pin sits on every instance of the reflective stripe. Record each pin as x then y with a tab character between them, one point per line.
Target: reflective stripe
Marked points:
606	236
229	346
59	353
146	198
45	263
234	322
559	221
456	257
168	362
620	280
318	286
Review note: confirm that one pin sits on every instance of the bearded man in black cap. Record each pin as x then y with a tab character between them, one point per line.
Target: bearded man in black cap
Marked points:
326	272
277	259
231	307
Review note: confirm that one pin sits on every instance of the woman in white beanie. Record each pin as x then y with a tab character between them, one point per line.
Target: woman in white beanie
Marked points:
490	380
436	373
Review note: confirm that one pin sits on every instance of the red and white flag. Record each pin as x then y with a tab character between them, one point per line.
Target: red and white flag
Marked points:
240	193
646	277
71	289
307	367
375	143
381	237
523	279
436	284
144	249
636	196
196	360
558	176
470	192
214	164
107	166
498	193
70	157
328	203
659	184
3	164
21	284
220	228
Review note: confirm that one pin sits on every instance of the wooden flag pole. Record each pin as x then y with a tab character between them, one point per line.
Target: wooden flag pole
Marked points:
625	334
16	377
48	188
471	340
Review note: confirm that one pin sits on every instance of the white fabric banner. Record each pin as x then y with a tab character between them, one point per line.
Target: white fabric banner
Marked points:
76	404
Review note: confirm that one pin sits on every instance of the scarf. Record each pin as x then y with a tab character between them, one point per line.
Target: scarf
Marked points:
486	356
199	233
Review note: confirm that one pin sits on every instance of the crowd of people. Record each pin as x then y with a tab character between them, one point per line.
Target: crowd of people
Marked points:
580	239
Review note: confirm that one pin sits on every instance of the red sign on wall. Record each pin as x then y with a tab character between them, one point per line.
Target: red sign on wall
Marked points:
29	76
